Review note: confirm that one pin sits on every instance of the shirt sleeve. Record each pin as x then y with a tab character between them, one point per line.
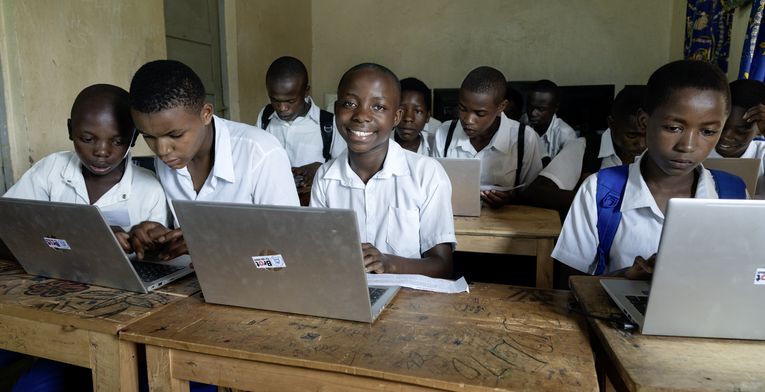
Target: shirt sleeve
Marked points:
259	123
436	219
578	241
532	159
275	184
33	185
338	143
439	139
566	168
318	189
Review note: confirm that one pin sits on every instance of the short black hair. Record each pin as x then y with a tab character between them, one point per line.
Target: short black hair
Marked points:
100	96
683	74
514	96
747	93
165	84
375	67
627	102
486	80
287	67
546	86
417	85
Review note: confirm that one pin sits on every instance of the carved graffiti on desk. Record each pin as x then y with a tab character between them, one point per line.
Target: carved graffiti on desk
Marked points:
92	303
530	295
55	288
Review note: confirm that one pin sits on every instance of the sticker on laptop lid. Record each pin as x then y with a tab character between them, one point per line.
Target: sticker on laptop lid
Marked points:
269	261
56	243
759	276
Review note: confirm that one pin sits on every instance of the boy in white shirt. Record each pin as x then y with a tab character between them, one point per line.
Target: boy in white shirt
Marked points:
99	170
402	199
686	105
415	104
199	155
483	131
746	121
541	108
619	144
305	131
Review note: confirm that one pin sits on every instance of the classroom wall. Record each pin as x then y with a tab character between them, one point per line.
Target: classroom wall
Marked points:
50	50
266	30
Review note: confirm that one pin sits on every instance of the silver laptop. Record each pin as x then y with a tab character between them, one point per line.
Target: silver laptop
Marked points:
465	175
709	279
746	168
288	259
73	242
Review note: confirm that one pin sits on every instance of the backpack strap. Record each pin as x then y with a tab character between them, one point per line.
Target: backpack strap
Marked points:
325	124
728	186
265	118
608	198
521	143
449	135
590	161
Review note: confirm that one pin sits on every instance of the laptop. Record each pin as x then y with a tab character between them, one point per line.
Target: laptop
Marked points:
709	279
287	259
746	168
465	175
73	242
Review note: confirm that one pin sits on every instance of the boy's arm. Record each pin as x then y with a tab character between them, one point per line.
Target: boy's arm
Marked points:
275	184
532	157
436	263
578	240
34	184
544	193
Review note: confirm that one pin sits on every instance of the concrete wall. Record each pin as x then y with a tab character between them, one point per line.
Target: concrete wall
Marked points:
51	50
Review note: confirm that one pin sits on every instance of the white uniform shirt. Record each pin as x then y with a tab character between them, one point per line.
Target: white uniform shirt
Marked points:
756	149
426	140
558	135
638	232
566	168
499	158
431	126
405	209
302	137
250	167
138	197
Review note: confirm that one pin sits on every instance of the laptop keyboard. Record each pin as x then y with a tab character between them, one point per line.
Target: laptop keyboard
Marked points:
375	294
149	272
639	302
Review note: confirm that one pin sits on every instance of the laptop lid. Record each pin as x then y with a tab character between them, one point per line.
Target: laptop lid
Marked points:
465	176
709	279
288	259
71	242
746	168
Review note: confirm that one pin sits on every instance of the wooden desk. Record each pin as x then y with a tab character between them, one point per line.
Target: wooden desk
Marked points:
656	363
495	338
515	230
77	323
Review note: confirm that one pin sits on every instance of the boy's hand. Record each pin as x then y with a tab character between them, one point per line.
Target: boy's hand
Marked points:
304	174
496	199
145	236
756	115
123	238
641	269
174	245
374	261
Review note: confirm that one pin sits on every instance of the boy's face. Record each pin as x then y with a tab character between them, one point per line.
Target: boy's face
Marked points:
681	132
99	140
288	97
175	135
627	137
478	111
737	134
414	117
366	110
541	109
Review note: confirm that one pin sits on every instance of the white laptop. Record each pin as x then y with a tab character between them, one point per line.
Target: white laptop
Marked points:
288	259
465	176
746	168
73	242
709	279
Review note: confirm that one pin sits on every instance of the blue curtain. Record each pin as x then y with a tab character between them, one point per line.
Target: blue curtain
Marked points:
707	31
753	55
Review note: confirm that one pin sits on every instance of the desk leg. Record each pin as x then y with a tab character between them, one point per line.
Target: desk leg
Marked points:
544	263
160	372
113	363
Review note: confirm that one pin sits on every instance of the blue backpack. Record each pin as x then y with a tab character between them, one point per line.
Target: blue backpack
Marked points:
608	196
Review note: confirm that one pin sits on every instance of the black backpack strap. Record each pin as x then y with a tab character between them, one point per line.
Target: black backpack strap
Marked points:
325	124
521	143
590	161
449	136
266	117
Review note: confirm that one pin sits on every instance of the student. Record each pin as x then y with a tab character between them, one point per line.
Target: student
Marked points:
98	171
686	104
302	128
402	199
746	121
201	156
619	144
483	131
541	108
415	104
514	108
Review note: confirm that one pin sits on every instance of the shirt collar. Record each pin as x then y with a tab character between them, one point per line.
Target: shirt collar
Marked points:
223	167
72	175
606	145
394	165
500	141
313	113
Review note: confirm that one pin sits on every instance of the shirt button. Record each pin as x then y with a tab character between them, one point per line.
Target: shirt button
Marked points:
124	197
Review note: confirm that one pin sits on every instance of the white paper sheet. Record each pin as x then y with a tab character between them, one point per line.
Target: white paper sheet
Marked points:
419	282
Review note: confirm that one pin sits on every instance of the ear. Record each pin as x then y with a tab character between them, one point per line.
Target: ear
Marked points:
307	90
207	113
642	120
399	114
69	127
501	107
